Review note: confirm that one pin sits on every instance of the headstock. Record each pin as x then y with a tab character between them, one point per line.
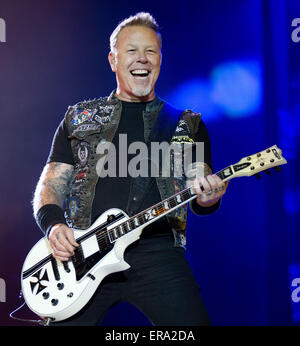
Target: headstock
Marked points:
254	164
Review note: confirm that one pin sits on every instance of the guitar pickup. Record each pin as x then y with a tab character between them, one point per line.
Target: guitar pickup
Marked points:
66	266
55	268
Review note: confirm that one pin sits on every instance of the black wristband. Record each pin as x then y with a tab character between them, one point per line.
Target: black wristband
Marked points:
199	210
48	216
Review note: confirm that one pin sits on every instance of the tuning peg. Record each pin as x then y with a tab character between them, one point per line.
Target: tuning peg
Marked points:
267	172
277	168
258	176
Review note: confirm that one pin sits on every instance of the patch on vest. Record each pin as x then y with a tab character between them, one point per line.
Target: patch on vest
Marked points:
181	139
83	150
80	176
87	127
104	114
82	115
182	128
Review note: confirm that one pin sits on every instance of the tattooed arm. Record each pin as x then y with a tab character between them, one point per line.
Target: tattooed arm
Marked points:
52	188
53	185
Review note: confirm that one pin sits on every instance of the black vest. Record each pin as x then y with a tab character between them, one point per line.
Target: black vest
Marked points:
95	122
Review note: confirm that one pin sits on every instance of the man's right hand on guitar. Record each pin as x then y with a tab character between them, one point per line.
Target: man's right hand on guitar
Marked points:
62	242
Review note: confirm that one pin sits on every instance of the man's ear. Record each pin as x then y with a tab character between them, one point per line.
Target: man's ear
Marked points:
111	59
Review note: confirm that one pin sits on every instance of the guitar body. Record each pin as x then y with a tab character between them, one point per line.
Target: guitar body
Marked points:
57	290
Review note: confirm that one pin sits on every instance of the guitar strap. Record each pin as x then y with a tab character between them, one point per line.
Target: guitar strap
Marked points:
162	131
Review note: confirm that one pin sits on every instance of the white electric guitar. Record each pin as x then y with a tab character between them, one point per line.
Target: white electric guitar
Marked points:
57	290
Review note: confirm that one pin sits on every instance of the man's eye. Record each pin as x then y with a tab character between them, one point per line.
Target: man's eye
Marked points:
131	50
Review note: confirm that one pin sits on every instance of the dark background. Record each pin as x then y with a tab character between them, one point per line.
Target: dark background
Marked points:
233	61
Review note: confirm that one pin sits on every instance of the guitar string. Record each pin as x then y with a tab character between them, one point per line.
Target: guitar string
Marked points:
171	200
159	209
103	238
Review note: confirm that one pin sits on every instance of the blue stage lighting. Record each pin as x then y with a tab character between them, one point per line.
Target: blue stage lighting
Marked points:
237	87
234	90
194	94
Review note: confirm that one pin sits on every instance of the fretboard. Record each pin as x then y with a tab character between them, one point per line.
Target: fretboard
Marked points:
160	209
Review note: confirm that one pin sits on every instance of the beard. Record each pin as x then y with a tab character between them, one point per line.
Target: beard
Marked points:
141	91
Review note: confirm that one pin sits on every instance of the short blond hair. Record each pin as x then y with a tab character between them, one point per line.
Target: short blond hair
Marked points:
140	19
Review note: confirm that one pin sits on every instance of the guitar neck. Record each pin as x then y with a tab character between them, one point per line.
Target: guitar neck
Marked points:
179	199
247	166
162	208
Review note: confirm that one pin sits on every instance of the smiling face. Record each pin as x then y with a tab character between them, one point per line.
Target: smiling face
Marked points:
136	61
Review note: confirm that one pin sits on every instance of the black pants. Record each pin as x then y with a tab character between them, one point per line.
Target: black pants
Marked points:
160	283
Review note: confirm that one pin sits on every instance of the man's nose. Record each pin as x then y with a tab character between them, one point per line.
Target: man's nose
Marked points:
142	58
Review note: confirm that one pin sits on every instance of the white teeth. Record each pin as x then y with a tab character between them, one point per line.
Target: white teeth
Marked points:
138	72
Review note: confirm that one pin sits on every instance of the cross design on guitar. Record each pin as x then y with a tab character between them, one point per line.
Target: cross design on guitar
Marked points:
37	280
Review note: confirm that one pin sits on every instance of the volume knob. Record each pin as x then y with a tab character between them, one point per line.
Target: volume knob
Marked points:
46	295
54	302
60	285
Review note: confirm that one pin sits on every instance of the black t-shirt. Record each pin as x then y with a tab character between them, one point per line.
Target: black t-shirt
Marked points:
113	192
